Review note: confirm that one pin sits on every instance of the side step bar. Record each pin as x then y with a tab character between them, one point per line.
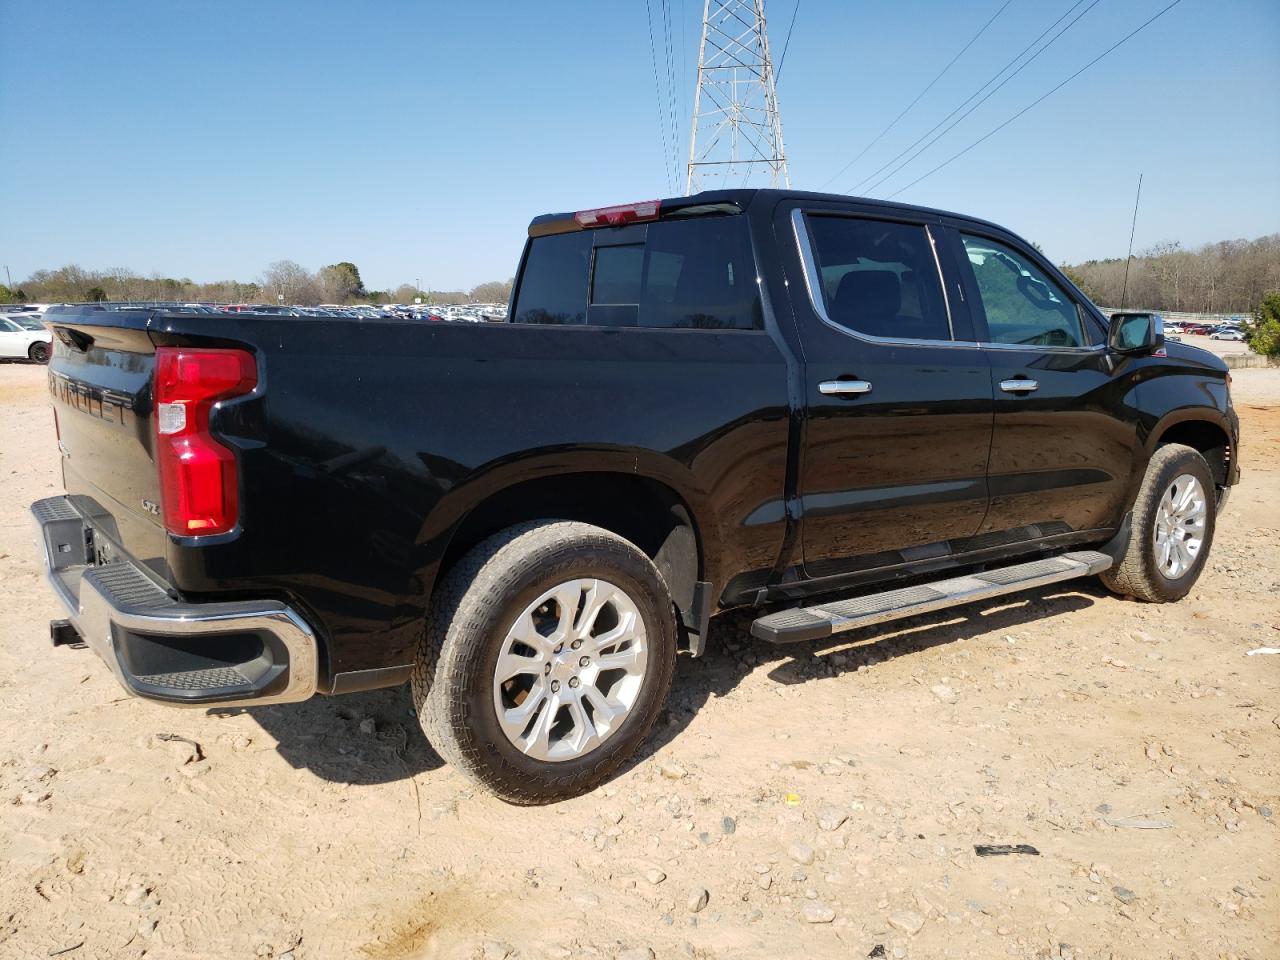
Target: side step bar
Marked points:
823	620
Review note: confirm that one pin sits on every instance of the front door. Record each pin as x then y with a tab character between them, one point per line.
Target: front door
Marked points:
898	396
1063	449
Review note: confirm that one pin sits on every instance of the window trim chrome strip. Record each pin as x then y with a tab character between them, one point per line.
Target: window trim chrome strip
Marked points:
942	280
809	267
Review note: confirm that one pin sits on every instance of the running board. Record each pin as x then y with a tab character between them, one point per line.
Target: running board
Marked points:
818	622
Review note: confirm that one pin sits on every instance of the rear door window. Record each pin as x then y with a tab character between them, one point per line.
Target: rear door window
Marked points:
879	278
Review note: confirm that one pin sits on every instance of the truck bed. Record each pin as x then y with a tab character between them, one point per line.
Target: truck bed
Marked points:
367	441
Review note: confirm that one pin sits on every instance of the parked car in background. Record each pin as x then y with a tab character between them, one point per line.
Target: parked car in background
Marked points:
1228	333
24	336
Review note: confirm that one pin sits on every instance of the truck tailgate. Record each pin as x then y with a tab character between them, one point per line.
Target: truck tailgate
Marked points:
100	379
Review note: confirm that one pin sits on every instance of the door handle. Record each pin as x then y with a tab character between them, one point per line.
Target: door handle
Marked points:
835	388
1020	385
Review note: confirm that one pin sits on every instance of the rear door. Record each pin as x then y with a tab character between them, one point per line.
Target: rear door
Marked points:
898	395
1063	449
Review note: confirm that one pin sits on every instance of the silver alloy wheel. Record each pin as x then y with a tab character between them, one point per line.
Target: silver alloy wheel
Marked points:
1180	526
570	669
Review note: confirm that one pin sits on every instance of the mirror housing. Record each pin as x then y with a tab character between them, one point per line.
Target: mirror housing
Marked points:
1135	334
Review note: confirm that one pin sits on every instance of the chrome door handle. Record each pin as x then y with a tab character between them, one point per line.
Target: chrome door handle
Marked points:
835	388
1019	386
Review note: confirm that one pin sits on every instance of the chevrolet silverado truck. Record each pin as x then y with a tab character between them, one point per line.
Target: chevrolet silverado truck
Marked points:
835	412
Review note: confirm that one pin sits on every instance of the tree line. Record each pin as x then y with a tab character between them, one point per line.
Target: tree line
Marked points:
334	283
1228	277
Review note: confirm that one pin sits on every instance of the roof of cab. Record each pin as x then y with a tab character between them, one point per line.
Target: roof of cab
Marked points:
742	199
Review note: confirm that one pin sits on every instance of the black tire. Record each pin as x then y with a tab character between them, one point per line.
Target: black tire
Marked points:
39	352
471	613
1138	574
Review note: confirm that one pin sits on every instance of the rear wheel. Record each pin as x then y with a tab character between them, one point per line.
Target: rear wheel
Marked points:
39	352
547	655
1172	528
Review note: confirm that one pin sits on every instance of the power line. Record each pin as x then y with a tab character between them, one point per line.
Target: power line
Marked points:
894	122
657	93
671	86
684	76
1042	97
777	74
990	93
996	76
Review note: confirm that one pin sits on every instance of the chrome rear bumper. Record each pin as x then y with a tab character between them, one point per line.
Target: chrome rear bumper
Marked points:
237	653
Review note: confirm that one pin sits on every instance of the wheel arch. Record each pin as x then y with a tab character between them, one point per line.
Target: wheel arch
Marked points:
651	508
1204	429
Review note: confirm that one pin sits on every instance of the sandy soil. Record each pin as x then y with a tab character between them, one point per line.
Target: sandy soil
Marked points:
827	800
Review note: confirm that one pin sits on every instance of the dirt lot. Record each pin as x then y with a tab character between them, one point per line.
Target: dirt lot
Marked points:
827	800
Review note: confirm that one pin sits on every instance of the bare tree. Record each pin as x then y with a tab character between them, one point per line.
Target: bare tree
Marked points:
290	282
1230	276
405	293
492	291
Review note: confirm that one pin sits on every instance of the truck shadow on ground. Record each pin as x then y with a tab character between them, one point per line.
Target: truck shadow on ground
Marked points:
372	738
733	654
360	739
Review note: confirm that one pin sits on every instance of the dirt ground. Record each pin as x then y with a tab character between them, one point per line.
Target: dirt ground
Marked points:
813	802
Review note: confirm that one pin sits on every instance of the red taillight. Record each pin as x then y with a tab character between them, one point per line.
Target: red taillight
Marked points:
198	486
619	215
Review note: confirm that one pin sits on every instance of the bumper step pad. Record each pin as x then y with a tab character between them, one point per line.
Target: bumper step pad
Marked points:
161	646
822	620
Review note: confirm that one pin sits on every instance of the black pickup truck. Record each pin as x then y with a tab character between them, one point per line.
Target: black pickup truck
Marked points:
834	411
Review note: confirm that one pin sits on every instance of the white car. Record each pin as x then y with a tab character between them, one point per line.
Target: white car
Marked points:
24	335
1227	335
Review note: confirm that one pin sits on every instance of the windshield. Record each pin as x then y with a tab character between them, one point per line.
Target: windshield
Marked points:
28	323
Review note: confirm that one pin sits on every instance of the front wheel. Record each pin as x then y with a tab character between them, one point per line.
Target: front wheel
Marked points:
39	352
547	655
1172	528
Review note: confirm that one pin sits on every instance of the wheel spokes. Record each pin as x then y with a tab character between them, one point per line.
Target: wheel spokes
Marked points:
515	719
561	688
627	659
626	627
604	710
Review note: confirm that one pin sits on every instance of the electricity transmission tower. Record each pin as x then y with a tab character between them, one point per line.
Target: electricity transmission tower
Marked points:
737	129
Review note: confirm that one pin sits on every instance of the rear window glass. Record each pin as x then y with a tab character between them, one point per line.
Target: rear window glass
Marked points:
553	287
618	275
694	274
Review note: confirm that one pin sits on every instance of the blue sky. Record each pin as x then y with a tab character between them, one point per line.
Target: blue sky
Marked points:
417	139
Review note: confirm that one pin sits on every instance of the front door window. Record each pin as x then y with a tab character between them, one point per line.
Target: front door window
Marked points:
1023	306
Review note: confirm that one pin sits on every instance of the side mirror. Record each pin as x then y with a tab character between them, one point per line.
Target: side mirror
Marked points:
1135	333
